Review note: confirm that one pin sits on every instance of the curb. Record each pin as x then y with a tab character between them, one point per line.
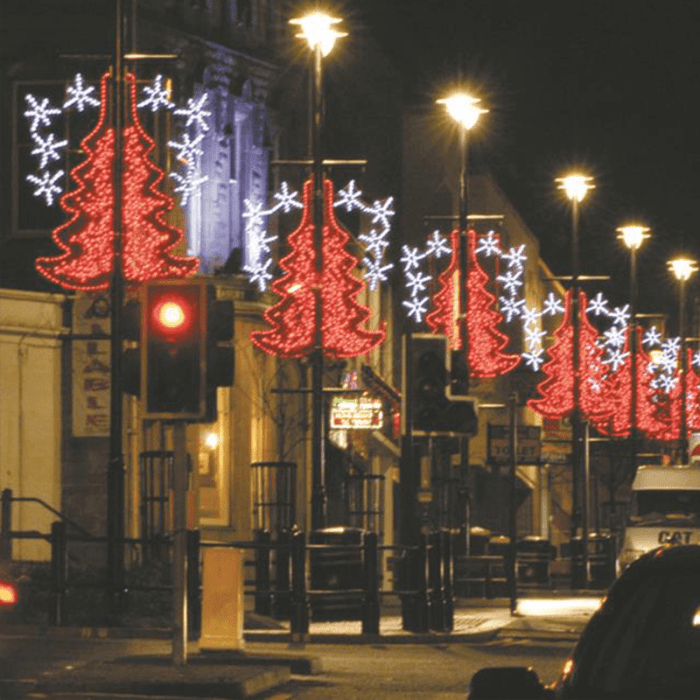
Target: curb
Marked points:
376	639
249	682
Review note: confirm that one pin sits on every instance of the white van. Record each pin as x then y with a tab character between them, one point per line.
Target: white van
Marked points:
665	509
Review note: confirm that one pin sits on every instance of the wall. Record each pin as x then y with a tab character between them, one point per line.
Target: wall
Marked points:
30	408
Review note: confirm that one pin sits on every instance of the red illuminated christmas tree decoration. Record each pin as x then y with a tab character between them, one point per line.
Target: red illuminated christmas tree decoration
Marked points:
557	389
617	393
87	238
293	317
692	396
148	239
343	315
444	318
486	342
654	405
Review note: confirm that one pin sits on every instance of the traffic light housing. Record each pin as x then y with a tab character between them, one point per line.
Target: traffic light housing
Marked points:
131	357
429	409
173	349
220	359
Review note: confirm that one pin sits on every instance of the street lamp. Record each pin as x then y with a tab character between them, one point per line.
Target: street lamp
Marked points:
633	235
683	269
318	30
576	186
465	110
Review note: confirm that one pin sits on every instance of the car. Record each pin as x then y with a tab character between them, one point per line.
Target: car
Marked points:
643	641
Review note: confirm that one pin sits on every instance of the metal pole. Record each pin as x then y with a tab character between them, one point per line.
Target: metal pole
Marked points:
633	360
684	378
586	455
463	301
115	469
512	515
576	452
318	496
179	651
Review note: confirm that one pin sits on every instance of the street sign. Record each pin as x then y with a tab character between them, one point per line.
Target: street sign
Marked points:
556	441
529	444
357	413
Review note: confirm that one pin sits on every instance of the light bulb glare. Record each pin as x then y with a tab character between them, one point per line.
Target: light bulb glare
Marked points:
576	186
633	235
317	29
463	108
683	268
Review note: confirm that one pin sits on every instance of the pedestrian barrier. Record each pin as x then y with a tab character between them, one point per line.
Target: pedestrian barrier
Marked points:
533	561
299	580
600	561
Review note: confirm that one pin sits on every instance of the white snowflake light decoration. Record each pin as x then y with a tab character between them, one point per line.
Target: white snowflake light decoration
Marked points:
157	96
80	95
46	186
47	149
376	240
40	113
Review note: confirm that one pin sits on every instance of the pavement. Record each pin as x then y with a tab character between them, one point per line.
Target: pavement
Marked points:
250	670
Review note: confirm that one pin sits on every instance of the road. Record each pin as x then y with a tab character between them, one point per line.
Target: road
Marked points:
405	671
350	671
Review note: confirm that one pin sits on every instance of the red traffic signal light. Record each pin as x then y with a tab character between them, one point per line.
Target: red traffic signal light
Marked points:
8	594
173	376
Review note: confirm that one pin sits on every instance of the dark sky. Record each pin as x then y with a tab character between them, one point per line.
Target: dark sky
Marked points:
609	87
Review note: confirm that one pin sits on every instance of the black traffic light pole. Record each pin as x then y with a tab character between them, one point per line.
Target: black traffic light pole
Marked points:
115	468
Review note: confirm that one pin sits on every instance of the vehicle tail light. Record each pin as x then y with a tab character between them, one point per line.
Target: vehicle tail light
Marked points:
8	593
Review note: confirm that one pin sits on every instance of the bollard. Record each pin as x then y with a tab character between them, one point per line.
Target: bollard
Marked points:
448	582
6	525
370	605
421	579
299	608
59	573
263	597
435	591
280	598
194	586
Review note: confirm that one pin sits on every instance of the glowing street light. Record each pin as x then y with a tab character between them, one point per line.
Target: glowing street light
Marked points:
633	235
576	186
683	269
318	30
465	110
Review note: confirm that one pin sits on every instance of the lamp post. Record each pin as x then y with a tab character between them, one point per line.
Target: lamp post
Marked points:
575	187
683	269
318	30
633	235
465	110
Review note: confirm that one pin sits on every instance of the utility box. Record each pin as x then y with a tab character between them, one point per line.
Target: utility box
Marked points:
222	599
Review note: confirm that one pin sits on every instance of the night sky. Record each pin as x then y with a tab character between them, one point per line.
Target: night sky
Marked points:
607	87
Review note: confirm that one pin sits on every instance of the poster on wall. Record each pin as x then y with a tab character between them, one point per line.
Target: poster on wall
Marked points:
90	361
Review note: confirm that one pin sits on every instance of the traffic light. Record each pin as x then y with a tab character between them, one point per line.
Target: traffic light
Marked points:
219	354
173	349
131	357
427	405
